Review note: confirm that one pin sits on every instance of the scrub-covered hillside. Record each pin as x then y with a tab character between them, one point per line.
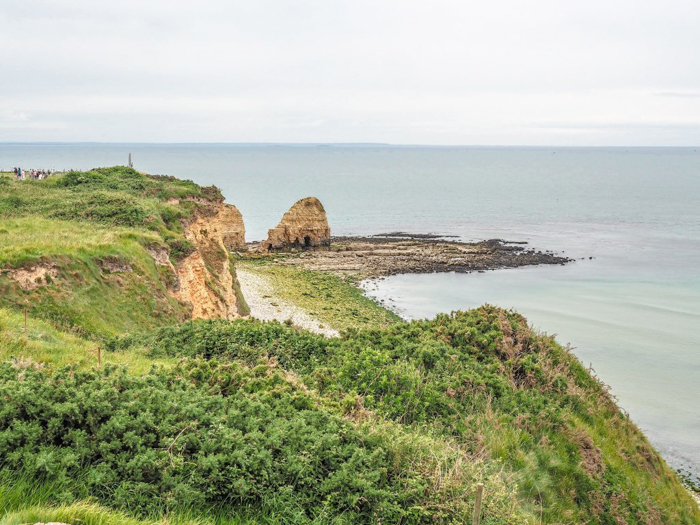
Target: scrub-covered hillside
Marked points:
219	419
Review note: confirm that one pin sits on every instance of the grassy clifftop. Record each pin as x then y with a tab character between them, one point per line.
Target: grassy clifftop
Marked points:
238	422
76	249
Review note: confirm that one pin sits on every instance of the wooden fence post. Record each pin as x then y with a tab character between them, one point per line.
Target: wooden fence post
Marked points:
25	319
99	357
477	503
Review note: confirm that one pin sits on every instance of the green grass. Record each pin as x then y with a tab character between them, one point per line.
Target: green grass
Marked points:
43	343
87	513
85	226
86	294
24	500
26	240
115	196
335	302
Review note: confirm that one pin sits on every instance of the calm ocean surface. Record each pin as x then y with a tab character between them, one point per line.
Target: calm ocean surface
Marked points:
632	312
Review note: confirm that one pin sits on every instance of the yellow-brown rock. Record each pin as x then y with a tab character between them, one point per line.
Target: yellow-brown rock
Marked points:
305	225
206	279
232	228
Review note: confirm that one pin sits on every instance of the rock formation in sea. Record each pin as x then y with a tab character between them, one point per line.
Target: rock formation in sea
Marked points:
305	225
232	228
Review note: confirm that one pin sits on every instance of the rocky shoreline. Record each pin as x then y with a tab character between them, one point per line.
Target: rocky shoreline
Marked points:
396	253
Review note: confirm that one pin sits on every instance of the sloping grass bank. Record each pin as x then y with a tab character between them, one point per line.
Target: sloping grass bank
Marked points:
98	281
46	345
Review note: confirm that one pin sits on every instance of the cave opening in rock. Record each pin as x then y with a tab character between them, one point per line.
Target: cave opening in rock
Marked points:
307	241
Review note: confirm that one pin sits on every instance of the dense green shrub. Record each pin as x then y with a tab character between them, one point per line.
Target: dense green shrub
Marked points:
204	434
280	426
9	203
76	178
411	372
481	377
172	217
240	340
106	207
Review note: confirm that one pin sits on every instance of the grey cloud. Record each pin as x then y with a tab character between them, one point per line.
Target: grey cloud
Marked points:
330	70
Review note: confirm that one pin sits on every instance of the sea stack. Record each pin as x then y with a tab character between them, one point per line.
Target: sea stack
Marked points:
232	228
304	226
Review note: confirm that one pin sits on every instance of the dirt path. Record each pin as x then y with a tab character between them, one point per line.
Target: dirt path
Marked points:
264	305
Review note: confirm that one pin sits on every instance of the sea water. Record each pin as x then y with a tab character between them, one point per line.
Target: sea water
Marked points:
629	306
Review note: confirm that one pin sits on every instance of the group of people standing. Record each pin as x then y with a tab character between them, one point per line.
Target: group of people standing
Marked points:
21	174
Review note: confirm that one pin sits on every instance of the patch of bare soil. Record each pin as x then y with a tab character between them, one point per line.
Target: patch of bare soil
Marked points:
33	277
592	458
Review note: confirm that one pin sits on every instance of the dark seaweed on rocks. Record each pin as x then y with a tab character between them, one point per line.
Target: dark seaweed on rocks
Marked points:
377	256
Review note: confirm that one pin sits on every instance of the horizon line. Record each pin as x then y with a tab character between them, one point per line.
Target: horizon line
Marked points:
337	144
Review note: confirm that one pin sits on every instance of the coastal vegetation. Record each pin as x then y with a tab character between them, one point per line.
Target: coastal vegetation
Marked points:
333	300
80	246
117	408
42	342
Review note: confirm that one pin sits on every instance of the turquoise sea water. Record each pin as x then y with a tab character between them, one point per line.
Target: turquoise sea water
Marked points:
632	311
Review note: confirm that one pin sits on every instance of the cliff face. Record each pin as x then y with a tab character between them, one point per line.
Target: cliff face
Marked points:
205	279
305	225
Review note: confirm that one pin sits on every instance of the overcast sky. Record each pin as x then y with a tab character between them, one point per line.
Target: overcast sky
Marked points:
540	72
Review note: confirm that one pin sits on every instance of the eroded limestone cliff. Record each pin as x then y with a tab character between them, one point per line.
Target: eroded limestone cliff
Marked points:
205	279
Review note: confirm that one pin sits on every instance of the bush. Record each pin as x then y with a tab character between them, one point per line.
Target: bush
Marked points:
239	340
104	207
200	435
482	378
77	178
180	248
171	216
